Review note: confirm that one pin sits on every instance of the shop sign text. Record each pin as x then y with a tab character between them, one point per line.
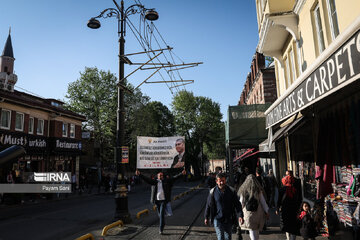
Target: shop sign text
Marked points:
342	66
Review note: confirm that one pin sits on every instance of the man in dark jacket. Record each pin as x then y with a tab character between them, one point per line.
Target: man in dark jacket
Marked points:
221	205
161	193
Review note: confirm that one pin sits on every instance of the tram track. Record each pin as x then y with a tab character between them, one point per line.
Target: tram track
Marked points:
179	205
183	236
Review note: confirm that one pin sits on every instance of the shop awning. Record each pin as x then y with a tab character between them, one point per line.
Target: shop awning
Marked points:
286	129
245	127
264	146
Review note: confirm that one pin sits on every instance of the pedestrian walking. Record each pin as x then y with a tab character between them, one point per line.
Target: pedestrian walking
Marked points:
81	184
288	202
273	187
265	186
308	228
160	193
221	205
10	177
73	183
263	183
254	206
211	180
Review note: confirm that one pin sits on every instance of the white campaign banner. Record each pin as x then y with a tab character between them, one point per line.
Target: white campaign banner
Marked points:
158	152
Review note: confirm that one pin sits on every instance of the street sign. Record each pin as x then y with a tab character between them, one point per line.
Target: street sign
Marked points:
125	154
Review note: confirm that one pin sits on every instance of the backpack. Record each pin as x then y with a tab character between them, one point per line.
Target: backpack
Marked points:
251	204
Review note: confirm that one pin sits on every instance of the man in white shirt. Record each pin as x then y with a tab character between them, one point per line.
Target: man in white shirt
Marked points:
160	193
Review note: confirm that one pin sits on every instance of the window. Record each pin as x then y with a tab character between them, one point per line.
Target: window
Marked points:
293	66
72	130
31	125
333	18
19	122
5	119
64	129
319	29
287	71
40	127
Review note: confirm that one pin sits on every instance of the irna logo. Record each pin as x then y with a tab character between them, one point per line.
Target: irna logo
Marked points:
52	177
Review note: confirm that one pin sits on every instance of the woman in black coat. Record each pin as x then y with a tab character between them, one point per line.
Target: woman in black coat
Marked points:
288	204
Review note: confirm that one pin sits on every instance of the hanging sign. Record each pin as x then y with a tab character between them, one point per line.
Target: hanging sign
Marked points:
160	152
124	154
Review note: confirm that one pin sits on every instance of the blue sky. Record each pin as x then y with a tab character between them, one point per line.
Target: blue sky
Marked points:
52	44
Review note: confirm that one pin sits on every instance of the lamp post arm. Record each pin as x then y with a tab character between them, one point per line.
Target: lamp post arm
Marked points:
109	12
135	8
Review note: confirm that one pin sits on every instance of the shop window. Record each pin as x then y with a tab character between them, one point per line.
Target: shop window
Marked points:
307	173
31	125
72	130
65	130
334	25
19	122
319	29
40	127
5	119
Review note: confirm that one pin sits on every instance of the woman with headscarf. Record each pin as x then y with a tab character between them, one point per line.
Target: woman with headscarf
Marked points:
256	213
288	204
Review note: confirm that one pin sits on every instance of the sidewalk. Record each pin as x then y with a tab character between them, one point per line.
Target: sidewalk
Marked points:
196	232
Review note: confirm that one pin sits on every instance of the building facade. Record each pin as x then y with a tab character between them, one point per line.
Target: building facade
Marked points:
260	84
50	134
259	88
314	122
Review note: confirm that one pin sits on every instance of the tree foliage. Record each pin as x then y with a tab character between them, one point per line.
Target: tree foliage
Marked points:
268	61
152	119
199	119
95	95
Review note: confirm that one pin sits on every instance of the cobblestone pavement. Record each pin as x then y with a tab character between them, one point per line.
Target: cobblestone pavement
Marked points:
196	232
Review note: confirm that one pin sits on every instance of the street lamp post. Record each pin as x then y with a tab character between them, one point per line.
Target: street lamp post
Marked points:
121	199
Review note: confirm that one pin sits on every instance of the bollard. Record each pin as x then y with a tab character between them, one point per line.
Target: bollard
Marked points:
141	213
107	227
86	237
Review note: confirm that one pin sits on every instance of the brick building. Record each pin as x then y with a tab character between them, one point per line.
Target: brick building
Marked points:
50	134
260	85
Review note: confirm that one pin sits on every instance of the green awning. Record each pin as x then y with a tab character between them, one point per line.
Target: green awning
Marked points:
245	126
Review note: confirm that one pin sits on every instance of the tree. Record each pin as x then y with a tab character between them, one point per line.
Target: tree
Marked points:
94	95
268	60
199	119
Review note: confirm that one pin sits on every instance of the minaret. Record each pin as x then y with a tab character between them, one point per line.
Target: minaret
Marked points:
7	76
